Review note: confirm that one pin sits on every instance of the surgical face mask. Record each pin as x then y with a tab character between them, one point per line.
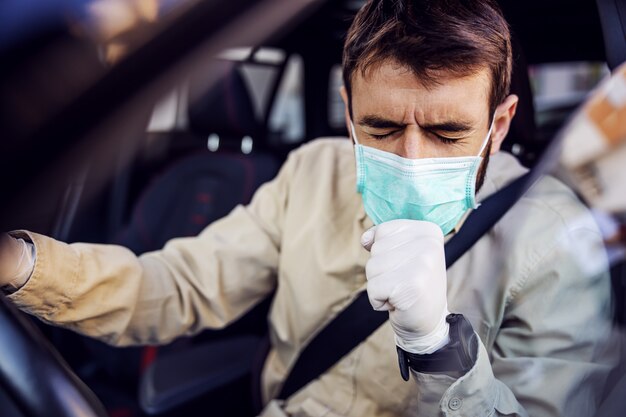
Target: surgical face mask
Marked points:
438	190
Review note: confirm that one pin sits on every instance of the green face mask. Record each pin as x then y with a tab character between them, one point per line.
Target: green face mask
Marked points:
438	190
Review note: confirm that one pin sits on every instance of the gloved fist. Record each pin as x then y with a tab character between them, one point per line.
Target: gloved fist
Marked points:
406	275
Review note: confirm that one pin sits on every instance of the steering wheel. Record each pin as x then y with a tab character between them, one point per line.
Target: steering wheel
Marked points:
34	375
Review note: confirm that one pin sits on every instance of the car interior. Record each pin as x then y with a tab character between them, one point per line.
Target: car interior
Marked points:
214	136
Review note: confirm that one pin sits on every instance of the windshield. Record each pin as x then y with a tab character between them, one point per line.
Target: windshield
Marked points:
195	157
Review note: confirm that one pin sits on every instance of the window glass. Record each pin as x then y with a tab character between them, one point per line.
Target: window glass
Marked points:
287	114
336	118
558	88
259	81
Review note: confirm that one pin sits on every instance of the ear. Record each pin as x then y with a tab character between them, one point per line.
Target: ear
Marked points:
503	116
344	96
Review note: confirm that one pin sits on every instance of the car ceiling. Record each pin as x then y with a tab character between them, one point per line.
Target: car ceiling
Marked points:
547	30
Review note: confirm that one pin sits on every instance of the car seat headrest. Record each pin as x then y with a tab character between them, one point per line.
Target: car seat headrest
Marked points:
226	110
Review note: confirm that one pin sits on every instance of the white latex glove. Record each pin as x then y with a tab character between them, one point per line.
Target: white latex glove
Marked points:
16	261
406	275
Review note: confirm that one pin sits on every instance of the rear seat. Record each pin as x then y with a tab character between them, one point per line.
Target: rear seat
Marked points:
204	185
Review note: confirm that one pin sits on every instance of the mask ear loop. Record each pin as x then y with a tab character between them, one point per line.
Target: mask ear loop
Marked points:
482	148
353	133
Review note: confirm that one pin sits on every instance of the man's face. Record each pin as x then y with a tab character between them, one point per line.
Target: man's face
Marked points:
394	112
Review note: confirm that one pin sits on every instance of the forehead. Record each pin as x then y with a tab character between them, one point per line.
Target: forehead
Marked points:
393	90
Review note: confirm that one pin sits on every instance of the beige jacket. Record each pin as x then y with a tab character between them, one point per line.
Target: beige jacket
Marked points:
535	289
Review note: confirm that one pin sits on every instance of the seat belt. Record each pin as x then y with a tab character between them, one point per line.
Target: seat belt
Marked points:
358	321
613	17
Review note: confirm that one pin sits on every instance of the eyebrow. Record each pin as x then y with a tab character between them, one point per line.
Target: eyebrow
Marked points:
452	126
379	122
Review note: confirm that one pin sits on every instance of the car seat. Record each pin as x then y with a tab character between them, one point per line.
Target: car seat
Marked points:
204	186
190	193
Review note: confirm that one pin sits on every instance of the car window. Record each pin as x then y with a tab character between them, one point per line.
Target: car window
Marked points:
559	88
336	108
287	114
570	226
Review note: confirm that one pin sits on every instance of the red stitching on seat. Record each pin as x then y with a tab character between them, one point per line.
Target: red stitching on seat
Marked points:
149	355
203	197
198	219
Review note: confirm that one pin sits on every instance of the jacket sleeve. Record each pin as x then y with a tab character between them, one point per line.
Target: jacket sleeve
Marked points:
553	350
207	281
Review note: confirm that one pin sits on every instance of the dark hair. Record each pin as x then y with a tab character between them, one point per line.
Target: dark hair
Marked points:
432	38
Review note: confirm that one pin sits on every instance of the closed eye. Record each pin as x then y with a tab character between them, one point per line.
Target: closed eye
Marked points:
382	136
447	140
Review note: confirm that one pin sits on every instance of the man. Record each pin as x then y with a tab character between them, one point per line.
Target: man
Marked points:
426	86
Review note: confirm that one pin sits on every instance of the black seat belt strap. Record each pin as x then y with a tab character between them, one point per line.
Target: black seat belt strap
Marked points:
613	17
358	321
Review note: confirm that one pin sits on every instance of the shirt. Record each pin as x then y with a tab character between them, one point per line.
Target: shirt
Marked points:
540	310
